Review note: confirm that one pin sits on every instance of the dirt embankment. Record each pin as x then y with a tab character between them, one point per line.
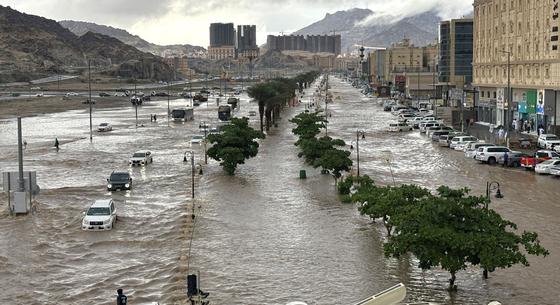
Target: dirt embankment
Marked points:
44	105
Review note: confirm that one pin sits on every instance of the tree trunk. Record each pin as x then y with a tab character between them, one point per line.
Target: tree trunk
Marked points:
485	274
452	286
261	115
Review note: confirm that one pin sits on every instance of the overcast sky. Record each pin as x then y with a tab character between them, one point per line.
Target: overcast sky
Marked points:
187	21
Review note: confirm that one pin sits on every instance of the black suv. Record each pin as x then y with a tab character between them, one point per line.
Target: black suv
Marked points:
119	181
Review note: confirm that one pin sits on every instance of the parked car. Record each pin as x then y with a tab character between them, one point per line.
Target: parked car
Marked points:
491	154
555	170
103	94
461	140
514	159
444	140
531	161
415	122
100	216
543	168
197	139
473	147
104	127
252	113
548	141
88	101
119	181
435	135
141	158
399	127
424	127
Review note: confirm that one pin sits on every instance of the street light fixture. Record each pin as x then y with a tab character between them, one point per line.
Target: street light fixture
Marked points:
359	134
490	187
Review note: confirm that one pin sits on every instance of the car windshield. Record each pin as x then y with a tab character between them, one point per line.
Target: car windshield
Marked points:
119	176
139	155
197	137
103	124
98	212
551	138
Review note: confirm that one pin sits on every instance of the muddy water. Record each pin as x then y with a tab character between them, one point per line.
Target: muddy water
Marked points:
268	238
263	236
45	258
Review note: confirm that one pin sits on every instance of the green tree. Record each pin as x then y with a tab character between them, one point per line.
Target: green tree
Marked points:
235	144
387	202
452	230
262	93
308	125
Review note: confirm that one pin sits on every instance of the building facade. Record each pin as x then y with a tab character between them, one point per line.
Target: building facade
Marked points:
247	42
221	53
456	52
222	34
517	41
311	43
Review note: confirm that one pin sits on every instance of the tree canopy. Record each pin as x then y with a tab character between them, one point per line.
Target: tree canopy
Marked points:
235	144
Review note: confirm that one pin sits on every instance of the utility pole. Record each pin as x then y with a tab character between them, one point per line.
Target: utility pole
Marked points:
90	104
21	182
168	109
192	173
326	105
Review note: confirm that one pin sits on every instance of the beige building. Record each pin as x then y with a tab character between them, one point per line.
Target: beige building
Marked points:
526	31
180	64
221	52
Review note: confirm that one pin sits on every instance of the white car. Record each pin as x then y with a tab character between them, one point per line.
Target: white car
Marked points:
104	127
141	158
197	139
555	170
252	113
471	148
460	141
399	127
40	94
548	141
544	167
425	127
100	216
491	154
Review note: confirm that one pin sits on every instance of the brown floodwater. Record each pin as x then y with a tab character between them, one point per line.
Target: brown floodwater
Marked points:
262	236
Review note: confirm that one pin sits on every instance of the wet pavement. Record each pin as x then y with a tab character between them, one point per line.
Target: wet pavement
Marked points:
262	236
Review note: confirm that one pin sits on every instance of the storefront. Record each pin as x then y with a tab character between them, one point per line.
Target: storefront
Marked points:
487	111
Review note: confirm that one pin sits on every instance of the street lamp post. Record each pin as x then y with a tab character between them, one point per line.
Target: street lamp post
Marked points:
506	123
191	155
490	187
359	134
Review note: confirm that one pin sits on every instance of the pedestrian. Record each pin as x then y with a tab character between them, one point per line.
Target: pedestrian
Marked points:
501	135
155	118
506	159
121	298
24	144
56	144
541	130
151	117
514	124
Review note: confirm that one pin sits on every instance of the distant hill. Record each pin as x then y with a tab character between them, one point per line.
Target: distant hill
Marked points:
80	28
363	26
33	46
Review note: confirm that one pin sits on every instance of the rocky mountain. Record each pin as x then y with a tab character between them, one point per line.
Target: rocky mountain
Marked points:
32	46
80	28
363	26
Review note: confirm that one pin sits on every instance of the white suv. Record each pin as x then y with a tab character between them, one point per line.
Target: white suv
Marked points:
461	141
548	141
141	158
101	216
491	154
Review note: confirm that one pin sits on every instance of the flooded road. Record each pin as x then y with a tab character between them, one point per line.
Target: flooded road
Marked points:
262	236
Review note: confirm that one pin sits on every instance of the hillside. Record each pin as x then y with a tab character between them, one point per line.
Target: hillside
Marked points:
80	28
32	46
362	26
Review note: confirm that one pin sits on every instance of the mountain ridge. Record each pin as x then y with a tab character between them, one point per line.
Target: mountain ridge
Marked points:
79	28
32	46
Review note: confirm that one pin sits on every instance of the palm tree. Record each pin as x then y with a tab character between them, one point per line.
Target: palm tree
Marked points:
262	93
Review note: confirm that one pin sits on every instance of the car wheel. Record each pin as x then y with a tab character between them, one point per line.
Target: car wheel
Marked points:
492	161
